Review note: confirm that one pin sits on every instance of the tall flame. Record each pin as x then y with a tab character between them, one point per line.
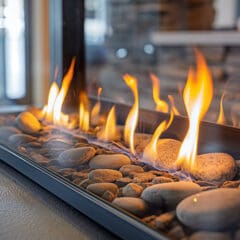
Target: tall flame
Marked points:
197	96
84	116
97	107
109	132
173	106
151	152
221	117
57	115
132	118
53	93
161	105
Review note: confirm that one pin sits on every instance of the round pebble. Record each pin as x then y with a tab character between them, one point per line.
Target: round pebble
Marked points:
162	179
209	236
100	188
135	206
129	170
132	190
76	156
112	161
169	194
215	209
104	175
167	154
17	139
28	123
214	167
6	132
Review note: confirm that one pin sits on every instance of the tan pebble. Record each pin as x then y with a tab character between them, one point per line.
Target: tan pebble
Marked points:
129	170
104	175
135	206
108	196
38	113
28	123
213	167
112	161
100	188
161	179
121	182
143	177
163	220
132	190
167	154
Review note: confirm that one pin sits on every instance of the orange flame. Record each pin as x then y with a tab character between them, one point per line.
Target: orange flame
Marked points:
221	117
109	132
161	105
48	109
173	106
58	117
197	96
97	107
132	118
84	116
151	152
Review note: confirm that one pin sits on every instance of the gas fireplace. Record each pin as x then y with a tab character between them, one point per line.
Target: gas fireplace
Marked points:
166	172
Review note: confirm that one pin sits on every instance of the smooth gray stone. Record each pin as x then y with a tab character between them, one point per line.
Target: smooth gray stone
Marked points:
215	209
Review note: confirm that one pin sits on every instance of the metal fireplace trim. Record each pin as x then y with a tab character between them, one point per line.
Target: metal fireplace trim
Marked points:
213	137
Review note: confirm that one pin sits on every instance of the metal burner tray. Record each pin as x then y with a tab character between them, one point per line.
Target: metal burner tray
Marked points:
212	138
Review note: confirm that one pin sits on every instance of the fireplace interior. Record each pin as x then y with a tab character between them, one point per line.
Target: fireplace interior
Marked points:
139	126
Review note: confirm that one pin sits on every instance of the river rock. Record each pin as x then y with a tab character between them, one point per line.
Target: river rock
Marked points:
164	220
169	194
121	182
167	154
76	156
132	190
104	175
215	209
214	167
17	139
129	170
209	236
135	206
6	132
100	188
38	113
112	161
28	123
143	177
162	179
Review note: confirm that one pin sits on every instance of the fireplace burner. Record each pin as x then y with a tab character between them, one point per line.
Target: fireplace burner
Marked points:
213	138
139	173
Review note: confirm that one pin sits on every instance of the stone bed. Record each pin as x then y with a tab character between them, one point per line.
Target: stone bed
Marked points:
206	206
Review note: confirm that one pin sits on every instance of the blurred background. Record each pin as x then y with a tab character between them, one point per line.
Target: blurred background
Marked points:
122	36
